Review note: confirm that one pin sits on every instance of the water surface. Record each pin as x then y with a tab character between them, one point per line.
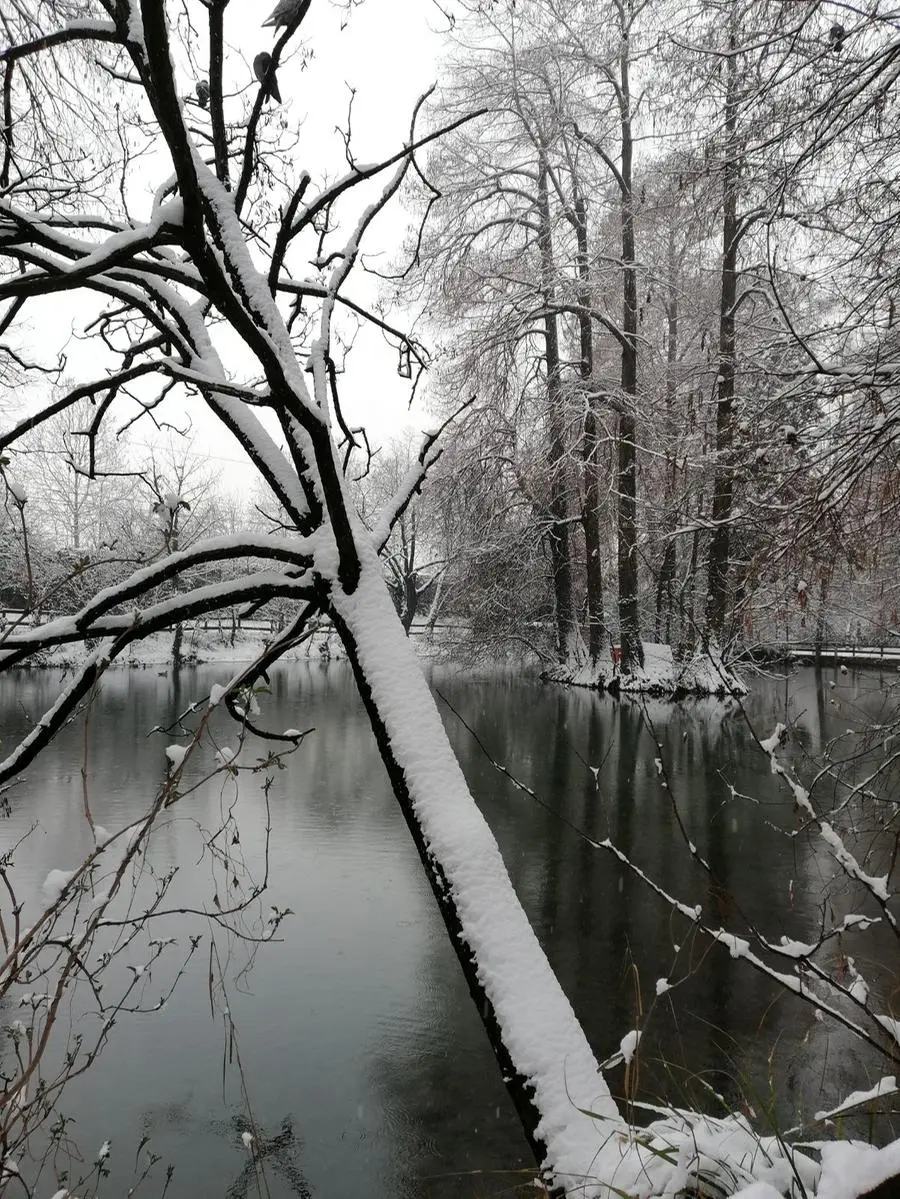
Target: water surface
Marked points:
356	1047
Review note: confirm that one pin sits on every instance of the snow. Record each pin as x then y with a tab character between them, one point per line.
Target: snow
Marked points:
672	1155
876	884
225	755
853	1168
104	1152
216	694
248	1139
796	949
88	25
663	985
770	744
657	674
857	986
759	1190
56	882
860	922
628	1045
884	1086
705	673
176	755
890	1025
540	1030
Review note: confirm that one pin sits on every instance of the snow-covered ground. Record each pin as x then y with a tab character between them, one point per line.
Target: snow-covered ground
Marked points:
199	646
704	673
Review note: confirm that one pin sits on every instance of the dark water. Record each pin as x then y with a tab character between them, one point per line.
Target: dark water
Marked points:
355	1046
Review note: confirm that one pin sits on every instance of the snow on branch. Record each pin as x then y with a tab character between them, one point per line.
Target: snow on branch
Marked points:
877	886
411	483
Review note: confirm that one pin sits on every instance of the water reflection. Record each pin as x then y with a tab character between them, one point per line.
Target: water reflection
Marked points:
364	1062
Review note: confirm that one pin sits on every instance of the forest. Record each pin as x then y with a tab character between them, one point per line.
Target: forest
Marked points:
649	273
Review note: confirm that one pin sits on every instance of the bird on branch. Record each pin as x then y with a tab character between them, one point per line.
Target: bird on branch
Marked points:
836	36
261	65
283	13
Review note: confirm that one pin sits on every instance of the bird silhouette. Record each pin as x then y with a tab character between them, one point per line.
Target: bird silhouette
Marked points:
261	65
202	92
836	36
283	13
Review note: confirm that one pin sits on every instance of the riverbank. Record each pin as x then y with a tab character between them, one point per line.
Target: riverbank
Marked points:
703	673
199	647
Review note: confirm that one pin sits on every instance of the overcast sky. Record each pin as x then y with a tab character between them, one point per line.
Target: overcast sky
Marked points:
388	51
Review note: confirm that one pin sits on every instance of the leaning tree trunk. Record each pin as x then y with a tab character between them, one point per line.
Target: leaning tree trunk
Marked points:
723	483
596	623
568	635
545	1060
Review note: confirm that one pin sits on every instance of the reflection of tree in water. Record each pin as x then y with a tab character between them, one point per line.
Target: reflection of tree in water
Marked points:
279	1151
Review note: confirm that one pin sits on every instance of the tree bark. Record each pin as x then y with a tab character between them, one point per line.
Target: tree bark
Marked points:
723	482
596	623
666	581
567	632
629	620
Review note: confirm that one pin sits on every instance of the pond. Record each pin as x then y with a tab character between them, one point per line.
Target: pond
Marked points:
354	1042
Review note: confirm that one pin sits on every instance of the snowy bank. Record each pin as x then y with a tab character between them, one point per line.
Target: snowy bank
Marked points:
703	673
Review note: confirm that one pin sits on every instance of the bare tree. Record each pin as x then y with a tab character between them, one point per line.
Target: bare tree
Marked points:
415	558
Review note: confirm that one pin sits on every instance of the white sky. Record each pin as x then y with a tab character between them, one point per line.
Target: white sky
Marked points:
388	52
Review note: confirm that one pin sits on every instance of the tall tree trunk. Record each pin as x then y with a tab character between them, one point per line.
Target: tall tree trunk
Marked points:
666	580
590	447
688	611
723	483
177	650
629	621
568	637
409	593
